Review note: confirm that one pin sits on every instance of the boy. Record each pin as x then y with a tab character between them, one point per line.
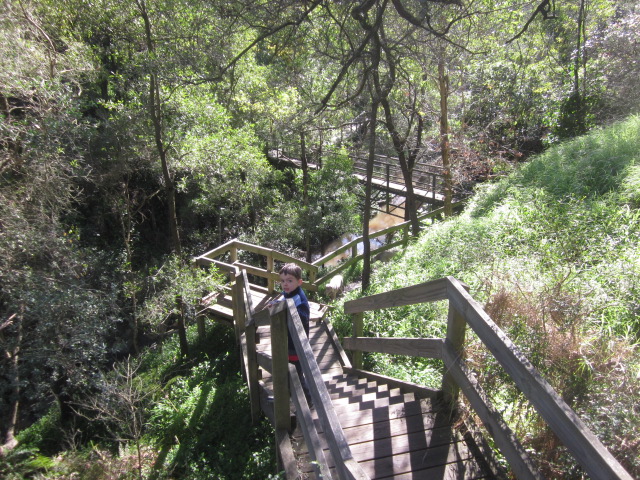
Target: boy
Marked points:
291	283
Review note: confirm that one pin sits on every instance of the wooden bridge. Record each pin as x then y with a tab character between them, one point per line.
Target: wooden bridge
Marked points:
428	181
364	425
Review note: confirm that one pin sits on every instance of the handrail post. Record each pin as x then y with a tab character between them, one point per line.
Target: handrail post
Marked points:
358	329
388	167
456	330
239	311
250	356
280	370
270	282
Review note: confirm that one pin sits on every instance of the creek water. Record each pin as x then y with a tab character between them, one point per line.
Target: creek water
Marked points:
378	222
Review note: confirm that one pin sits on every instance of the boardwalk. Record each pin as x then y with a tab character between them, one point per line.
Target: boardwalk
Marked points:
387	176
392	433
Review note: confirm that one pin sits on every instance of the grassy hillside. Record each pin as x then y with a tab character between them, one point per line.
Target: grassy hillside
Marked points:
552	253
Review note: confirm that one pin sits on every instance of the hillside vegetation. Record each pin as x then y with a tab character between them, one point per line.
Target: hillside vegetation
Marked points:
552	253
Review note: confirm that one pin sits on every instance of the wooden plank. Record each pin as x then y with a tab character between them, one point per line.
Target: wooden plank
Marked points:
436	427
574	434
422	391
280	371
285	454
424	292
415	347
456	330
309	431
464	470
216	252
350	417
432	462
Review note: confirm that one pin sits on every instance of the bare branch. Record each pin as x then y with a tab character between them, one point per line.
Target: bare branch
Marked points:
546	9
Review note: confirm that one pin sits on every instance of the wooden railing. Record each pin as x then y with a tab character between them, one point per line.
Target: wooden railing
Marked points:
232	249
596	460
403	231
425	176
286	384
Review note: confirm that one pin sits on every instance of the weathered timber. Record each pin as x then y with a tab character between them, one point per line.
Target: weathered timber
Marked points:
415	347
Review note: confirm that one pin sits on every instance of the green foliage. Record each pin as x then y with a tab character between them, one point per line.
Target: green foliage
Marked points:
23	463
201	423
630	191
43	435
175	285
330	211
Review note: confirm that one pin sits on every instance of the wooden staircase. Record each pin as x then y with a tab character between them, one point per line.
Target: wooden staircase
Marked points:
393	433
365	425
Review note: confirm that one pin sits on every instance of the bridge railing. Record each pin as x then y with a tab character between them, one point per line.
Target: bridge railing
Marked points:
286	385
425	176
585	447
233	249
401	232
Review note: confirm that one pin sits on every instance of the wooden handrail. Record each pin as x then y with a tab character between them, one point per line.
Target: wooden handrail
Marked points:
345	464
232	247
403	227
585	447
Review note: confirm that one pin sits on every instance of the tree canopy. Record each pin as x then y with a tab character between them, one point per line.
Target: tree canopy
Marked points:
134	135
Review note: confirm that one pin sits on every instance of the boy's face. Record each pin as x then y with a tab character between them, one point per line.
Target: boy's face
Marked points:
289	283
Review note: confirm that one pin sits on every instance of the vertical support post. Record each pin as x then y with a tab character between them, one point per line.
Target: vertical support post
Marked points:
233	258
280	369
239	311
387	201
250	356
456	329
320	150
358	328
252	373
433	189
270	281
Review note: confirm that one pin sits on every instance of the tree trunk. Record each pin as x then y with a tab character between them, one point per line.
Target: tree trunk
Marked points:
366	253
9	428
155	113
182	330
443	84
577	94
305	194
407	162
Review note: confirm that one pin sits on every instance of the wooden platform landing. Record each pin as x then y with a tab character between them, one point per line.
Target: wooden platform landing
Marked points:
392	434
401	189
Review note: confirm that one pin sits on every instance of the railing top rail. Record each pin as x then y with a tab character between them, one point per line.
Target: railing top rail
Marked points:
424	292
378	233
248	247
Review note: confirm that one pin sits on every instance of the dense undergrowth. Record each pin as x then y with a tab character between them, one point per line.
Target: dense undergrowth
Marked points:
552	253
158	417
